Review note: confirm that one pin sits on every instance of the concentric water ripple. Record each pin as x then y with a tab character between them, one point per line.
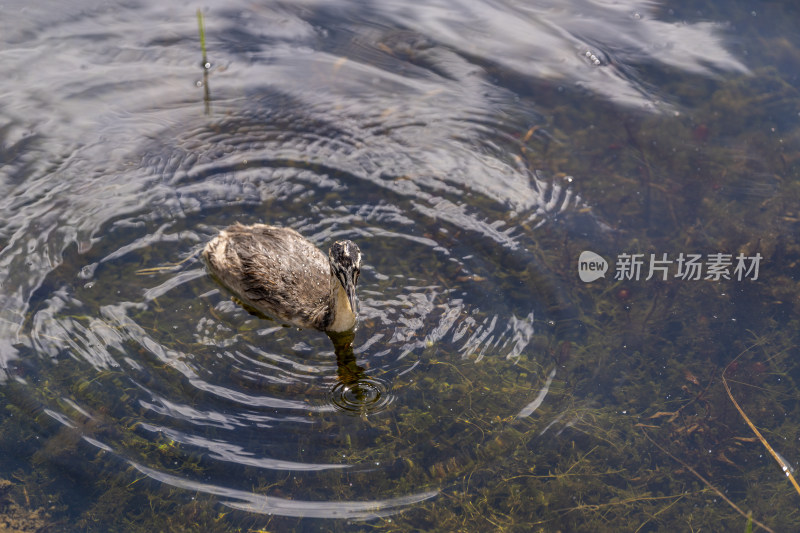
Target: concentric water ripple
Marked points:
362	396
194	375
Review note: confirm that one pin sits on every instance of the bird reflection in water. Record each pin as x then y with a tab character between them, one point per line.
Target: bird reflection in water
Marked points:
348	371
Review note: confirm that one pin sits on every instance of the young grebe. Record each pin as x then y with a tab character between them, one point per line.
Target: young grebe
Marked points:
281	274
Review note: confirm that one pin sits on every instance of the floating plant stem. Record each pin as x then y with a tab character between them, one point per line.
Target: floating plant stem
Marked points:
205	64
780	460
201	28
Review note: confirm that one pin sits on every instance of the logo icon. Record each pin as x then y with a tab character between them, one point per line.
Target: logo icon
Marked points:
591	266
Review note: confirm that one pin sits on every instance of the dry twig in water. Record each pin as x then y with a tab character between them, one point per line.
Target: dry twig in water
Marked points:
785	467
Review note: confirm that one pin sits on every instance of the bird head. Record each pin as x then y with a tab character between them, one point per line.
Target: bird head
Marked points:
345	258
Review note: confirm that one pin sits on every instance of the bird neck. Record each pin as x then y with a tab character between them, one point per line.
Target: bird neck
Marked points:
342	316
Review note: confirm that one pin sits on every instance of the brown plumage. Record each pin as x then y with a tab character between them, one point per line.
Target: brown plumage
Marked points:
282	274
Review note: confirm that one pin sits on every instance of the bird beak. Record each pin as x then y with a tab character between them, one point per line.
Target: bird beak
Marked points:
350	289
349	285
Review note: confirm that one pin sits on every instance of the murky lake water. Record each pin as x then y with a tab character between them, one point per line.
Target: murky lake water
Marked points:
473	150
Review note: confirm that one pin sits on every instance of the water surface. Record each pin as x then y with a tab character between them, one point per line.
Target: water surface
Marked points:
473	150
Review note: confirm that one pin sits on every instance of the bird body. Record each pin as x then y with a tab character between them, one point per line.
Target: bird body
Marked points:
280	273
